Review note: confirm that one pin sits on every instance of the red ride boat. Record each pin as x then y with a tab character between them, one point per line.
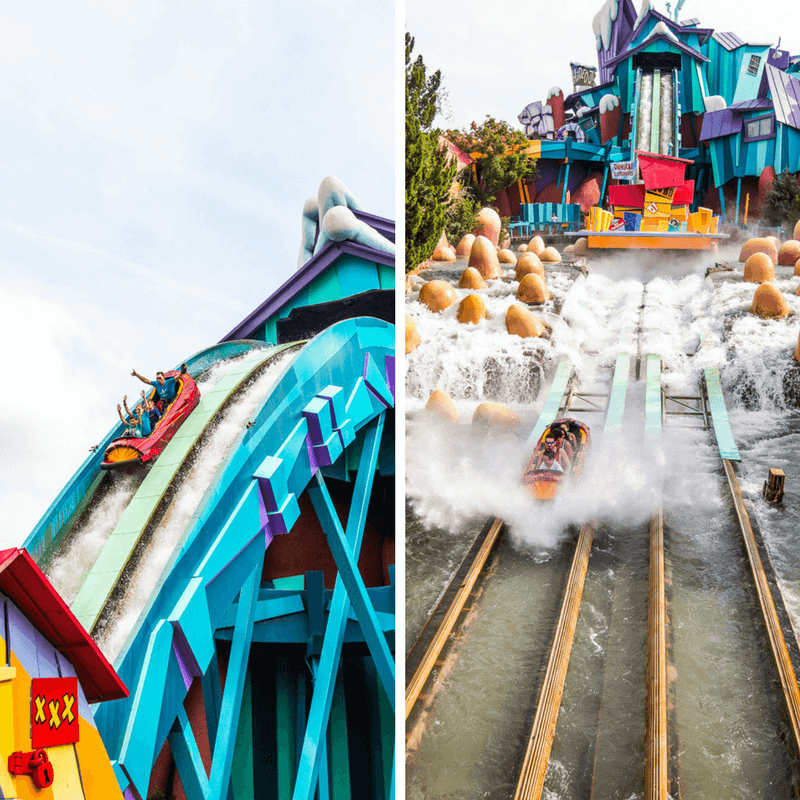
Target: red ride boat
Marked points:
129	451
557	460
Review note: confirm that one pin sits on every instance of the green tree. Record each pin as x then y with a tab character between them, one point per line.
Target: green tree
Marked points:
782	200
500	157
429	170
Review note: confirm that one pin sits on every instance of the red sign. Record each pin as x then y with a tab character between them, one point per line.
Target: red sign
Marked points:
54	711
617	225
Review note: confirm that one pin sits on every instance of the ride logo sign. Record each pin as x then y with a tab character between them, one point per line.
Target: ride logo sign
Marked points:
54	711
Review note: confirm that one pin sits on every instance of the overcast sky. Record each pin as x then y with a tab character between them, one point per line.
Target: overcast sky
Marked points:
154	160
496	58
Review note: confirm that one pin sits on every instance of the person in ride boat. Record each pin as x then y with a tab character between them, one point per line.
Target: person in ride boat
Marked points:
565	441
165	388
140	412
152	410
551	459
132	422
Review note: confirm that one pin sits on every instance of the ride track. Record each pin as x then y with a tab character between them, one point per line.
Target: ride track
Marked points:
441	631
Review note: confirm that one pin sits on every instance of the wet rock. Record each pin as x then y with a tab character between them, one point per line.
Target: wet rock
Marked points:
759	268
471	310
581	246
532	289
471	279
759	246
487	223
550	255
536	245
796	234
437	295
495	415
483	257
789	253
570	248
441	404
797	267
523	248
442	253
529	264
524	323
412	335
768	302
797	351
506	257
465	245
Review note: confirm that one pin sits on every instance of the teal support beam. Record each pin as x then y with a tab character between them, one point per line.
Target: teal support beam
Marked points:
354	583
738	197
719	415
566	181
187	758
220	776
722	210
311	756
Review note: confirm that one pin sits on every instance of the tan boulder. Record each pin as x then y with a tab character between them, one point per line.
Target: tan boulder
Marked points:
471	310
506	257
775	240
529	263
796	234
759	246
487	223
532	289
797	349
441	404
769	302
483	257
797	267
581	246
570	248
759	268
523	248
412	335
495	415
789	253
550	255
522	322
471	279
536	245
465	245
442	253
437	295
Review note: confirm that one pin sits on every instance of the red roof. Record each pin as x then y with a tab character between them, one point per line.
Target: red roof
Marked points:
661	172
630	195
25	584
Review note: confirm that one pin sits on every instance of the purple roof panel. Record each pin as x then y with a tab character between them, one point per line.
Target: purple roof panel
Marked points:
720	123
730	41
690	23
760	104
785	91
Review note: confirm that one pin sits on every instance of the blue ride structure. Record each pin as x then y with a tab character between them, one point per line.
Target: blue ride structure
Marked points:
252	620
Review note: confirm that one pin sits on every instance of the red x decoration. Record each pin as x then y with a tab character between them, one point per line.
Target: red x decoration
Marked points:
54	711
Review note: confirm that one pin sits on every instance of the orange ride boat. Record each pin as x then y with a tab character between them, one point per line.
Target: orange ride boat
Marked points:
128	452
558	459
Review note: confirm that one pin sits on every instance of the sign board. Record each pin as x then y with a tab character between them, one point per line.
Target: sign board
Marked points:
54	711
623	170
617	225
583	76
